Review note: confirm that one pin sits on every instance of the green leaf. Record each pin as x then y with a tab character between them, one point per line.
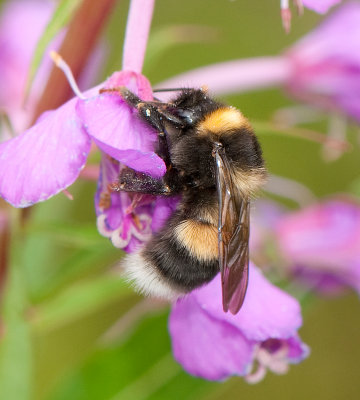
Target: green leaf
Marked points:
66	328
142	367
15	351
74	235
57	254
78	301
60	18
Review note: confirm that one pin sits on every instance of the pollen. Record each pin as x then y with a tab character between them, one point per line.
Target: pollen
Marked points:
105	201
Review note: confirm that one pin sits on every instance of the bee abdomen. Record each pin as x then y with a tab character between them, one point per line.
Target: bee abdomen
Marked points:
198	238
183	256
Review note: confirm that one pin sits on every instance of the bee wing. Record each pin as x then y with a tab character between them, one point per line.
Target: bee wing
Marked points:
233	236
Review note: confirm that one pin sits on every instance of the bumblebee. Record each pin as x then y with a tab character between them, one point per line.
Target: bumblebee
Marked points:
214	162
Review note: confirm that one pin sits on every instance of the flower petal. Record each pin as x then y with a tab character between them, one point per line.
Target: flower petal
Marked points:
298	350
206	347
322	244
320	6
45	159
118	131
325	235
267	312
127	230
326	63
163	208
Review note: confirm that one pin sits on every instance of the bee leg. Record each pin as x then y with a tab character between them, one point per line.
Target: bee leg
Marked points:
154	114
138	182
151	115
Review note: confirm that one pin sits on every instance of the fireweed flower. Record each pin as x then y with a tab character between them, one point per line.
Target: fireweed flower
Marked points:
322	245
48	157
215	345
322	69
56	147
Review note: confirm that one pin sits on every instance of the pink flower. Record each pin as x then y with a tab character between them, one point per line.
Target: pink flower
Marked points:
264	216
215	345
322	244
320	6
49	156
326	63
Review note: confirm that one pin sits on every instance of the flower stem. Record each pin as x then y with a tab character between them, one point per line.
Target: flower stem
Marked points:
137	33
235	76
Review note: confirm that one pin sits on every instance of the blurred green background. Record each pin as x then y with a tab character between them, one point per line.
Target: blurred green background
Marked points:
61	296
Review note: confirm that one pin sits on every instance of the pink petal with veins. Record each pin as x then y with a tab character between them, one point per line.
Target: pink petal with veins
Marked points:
118	131
45	159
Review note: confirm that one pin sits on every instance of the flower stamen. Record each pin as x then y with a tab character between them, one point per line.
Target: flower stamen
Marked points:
60	63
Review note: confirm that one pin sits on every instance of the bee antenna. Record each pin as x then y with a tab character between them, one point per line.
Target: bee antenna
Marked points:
60	63
168	90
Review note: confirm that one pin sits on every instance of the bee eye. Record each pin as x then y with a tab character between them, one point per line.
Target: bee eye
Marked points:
187	115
